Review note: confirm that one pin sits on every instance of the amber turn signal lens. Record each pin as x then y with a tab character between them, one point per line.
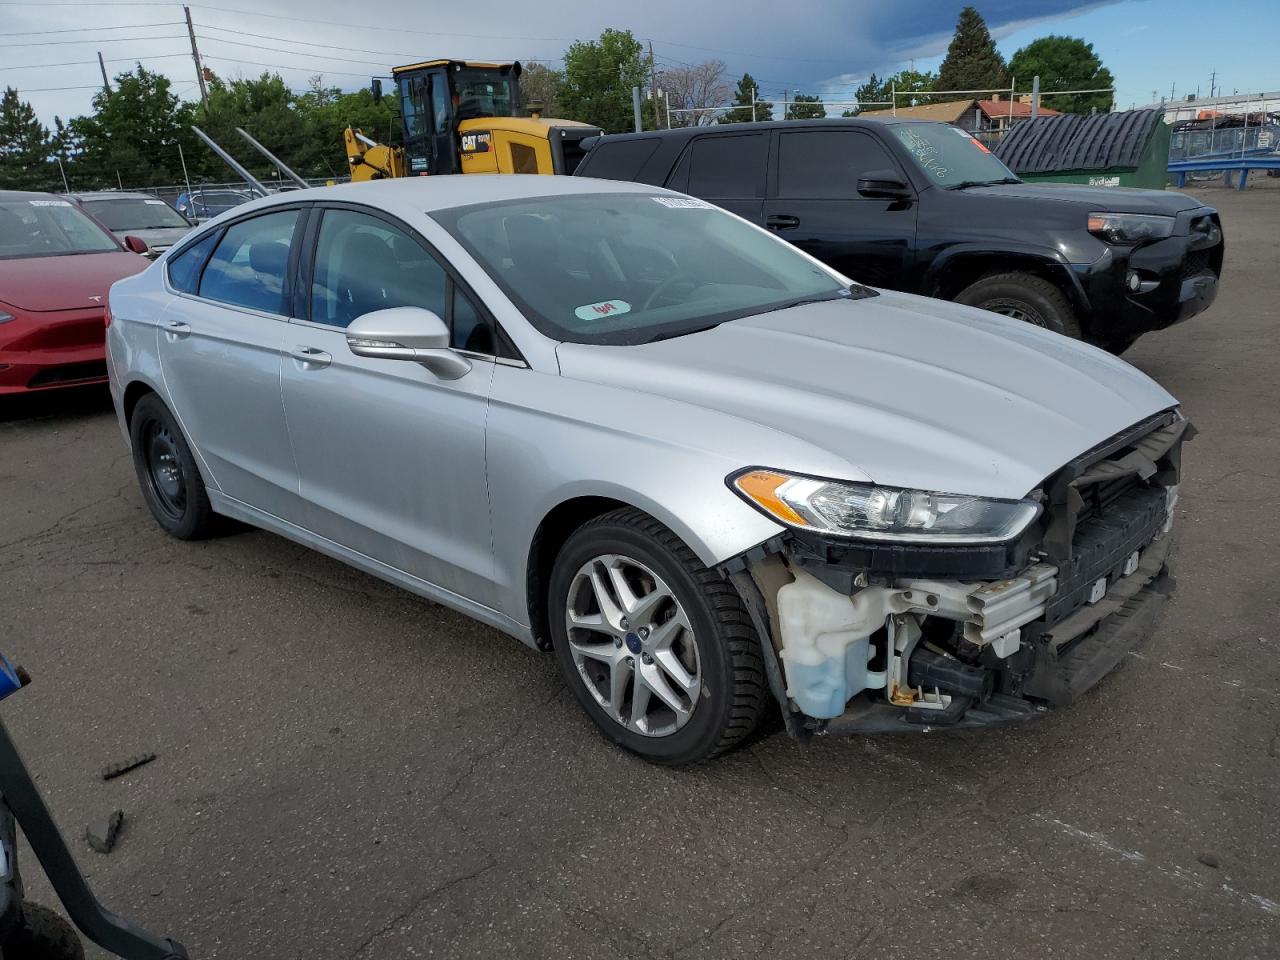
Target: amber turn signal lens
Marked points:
761	486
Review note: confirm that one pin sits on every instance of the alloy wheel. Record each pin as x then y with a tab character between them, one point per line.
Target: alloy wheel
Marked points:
633	645
1017	310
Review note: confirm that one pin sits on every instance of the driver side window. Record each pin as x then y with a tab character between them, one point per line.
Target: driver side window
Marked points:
363	263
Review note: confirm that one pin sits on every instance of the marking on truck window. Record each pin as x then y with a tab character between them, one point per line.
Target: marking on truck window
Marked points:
682	203
605	308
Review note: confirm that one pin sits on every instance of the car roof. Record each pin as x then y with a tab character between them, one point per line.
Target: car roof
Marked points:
114	195
426	194
738	128
26	195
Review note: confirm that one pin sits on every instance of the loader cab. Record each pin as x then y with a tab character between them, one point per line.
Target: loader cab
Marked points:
437	95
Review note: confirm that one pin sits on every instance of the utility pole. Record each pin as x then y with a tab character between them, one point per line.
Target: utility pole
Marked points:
754	92
784	106
635	105
106	87
195	55
653	86
1035	96
1212	79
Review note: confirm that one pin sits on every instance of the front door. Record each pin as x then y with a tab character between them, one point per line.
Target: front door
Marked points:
391	459
814	203
220	353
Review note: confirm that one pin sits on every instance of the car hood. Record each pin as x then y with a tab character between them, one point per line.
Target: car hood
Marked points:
909	391
1100	199
67	282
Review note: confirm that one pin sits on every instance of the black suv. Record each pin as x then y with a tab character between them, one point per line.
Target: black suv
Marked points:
925	208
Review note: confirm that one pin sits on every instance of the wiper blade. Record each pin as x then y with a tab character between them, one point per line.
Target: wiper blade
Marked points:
980	183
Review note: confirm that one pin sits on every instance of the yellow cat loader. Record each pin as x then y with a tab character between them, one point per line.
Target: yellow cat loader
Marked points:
460	116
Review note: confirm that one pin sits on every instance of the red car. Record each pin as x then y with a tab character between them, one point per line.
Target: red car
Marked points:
56	265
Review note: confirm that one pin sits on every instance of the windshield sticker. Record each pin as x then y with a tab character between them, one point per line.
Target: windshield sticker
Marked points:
605	308
50	203
683	203
972	139
155	203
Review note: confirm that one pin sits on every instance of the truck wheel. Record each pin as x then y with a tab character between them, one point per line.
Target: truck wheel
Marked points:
1025	297
42	934
658	649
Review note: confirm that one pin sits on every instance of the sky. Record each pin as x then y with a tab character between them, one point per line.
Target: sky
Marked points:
48	48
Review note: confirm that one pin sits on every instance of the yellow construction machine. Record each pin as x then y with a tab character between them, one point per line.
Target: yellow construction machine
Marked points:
460	116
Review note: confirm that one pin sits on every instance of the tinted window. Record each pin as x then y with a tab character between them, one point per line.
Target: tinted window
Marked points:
364	264
827	163
184	269
949	156
470	330
249	265
524	159
621	159
727	167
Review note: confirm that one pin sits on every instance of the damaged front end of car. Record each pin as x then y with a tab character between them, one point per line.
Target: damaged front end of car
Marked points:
871	635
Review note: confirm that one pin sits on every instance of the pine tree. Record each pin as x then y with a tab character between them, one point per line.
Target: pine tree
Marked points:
805	107
24	147
742	113
972	61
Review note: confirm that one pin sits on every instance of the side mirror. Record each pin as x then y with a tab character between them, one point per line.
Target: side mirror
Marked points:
375	89
884	185
136	245
407	333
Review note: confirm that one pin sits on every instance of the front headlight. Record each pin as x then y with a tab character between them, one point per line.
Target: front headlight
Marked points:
1130	227
873	512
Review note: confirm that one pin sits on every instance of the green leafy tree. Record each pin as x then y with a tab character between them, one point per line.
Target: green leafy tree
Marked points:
1065	63
264	107
742	102
881	92
598	77
25	147
541	84
806	107
972	61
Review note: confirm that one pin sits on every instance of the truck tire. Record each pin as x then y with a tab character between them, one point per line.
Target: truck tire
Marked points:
1026	297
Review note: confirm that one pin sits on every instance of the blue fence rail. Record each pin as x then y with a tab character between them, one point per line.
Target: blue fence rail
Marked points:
1228	165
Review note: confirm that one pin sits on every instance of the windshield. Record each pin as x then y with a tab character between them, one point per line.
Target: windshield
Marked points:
950	156
631	268
122	214
482	93
46	227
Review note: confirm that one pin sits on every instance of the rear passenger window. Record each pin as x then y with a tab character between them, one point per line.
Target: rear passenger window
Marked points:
727	167
622	159
248	267
184	269
826	164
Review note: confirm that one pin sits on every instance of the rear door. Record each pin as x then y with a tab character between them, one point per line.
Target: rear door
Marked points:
727	169
814	203
220	352
391	459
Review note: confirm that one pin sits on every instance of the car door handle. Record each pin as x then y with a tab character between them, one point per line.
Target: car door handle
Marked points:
781	221
177	329
312	358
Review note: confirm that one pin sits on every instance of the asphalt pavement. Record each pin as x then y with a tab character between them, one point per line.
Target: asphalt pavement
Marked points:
346	771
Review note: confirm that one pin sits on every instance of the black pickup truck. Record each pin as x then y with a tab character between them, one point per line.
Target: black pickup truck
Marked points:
925	208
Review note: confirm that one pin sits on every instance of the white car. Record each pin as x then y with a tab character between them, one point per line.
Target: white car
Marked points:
617	422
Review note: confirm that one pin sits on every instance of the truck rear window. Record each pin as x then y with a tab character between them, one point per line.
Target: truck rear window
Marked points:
621	159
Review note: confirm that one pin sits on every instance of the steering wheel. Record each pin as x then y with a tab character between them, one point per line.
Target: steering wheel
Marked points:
667	284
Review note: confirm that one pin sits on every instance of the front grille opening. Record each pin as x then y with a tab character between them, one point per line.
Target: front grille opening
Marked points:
69	373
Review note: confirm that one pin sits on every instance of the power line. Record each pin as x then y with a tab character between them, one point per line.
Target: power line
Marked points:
124	26
80	63
59	43
277	66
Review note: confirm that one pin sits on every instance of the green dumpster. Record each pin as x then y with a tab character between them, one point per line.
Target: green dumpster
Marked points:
1129	148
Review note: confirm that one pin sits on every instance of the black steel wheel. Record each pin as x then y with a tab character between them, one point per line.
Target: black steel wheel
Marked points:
167	472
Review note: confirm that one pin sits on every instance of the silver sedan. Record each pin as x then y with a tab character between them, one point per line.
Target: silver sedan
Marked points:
624	425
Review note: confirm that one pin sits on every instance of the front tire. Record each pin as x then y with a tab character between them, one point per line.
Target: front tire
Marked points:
167	472
658	649
1025	297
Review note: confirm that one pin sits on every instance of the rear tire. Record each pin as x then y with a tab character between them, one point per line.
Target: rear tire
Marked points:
675	632
1023	296
42	934
167	472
